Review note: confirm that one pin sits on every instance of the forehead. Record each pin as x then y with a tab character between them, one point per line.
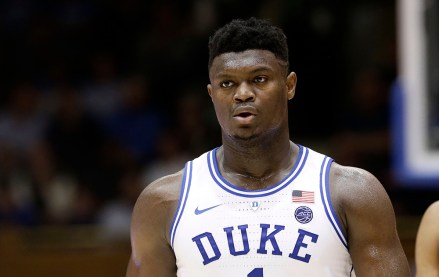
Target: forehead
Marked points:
246	60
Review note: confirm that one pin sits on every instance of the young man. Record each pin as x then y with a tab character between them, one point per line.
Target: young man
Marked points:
427	243
261	205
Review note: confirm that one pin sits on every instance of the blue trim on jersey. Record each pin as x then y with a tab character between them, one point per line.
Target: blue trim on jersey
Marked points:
326	199
225	185
185	187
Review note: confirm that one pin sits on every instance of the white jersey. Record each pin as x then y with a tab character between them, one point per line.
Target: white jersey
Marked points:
289	229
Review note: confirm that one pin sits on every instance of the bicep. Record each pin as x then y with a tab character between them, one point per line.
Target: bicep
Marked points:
373	240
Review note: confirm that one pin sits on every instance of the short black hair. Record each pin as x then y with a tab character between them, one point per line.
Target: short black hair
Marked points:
240	35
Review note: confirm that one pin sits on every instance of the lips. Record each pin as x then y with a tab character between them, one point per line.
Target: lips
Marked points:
244	111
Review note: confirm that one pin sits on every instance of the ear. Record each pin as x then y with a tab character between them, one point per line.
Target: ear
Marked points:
291	85
209	90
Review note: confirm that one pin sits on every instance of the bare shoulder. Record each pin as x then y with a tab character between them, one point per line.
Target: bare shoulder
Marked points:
158	201
150	224
427	243
350	184
432	211
362	204
165	189
429	226
356	191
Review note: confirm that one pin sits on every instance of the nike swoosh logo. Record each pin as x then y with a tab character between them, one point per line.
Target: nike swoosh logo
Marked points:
198	211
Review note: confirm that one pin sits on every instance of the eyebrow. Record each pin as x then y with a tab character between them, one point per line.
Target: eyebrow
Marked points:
261	68
253	71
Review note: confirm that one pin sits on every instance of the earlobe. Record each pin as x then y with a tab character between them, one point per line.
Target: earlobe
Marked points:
291	85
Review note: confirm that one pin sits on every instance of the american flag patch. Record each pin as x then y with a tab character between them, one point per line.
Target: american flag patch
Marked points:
300	196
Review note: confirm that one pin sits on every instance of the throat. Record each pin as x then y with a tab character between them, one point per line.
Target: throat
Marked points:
254	171
254	183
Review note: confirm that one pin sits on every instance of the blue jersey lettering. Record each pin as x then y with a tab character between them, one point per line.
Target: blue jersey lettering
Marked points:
213	245
301	244
231	242
210	252
269	237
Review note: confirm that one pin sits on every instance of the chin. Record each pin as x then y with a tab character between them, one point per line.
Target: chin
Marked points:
251	136
245	137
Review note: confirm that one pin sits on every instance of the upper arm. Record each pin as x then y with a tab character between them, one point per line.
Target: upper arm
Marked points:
152	217
369	221
427	243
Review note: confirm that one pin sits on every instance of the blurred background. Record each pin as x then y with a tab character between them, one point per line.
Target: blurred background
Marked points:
99	98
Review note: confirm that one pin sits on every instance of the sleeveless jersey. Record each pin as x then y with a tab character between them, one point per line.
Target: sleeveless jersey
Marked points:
289	229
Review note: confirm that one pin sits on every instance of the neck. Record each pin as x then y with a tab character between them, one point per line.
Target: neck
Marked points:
254	164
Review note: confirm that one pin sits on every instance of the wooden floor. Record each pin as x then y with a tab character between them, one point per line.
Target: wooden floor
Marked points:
55	251
79	251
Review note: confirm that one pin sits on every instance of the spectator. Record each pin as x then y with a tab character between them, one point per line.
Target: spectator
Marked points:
136	126
21	131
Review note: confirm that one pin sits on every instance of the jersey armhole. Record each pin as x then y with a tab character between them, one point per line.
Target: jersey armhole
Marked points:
327	203
185	187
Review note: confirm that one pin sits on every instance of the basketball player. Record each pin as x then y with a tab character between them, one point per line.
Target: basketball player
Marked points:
427	243
260	204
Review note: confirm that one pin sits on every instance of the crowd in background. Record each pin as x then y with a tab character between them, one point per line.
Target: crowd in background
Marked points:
99	98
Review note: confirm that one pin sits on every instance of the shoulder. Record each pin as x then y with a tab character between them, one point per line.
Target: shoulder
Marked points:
362	204
351	181
156	205
432	210
427	242
164	188
429	225
430	217
354	184
151	220
355	191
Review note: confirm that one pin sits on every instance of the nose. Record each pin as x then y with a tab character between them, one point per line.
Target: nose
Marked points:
244	93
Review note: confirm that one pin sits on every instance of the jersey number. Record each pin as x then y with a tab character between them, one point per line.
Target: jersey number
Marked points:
257	272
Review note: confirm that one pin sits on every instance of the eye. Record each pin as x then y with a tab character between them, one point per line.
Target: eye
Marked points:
226	84
260	79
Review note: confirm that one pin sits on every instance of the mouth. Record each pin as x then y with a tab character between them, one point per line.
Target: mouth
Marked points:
245	116
244	112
